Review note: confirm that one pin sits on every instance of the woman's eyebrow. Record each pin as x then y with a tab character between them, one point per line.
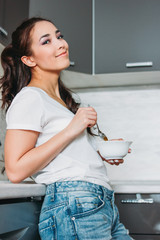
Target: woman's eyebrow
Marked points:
45	35
57	31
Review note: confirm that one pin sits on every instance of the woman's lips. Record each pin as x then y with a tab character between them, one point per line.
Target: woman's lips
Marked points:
62	54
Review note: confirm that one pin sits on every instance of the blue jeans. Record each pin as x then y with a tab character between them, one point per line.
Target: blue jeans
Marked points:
79	210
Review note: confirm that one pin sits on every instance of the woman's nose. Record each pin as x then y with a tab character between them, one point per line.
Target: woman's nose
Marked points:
60	43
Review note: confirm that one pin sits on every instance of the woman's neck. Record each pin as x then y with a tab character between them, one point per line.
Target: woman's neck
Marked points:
49	85
46	81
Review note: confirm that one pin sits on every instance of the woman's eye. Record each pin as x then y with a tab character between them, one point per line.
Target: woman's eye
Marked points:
46	42
60	36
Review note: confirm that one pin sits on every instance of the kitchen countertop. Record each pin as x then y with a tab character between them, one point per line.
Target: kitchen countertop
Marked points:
10	190
135	186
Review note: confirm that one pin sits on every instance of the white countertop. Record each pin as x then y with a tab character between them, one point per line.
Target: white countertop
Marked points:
136	186
9	190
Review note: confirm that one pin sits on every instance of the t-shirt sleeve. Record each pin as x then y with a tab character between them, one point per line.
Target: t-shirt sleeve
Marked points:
26	112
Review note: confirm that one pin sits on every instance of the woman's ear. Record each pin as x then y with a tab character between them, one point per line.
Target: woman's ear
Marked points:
28	60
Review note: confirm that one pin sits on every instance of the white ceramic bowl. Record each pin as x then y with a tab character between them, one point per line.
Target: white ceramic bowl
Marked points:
113	149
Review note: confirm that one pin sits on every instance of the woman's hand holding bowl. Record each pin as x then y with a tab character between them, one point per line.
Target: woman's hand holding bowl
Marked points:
114	150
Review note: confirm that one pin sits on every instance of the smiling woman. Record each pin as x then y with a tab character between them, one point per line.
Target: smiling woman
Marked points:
46	138
48	46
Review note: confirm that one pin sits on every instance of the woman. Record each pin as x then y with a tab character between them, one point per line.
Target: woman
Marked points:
46	138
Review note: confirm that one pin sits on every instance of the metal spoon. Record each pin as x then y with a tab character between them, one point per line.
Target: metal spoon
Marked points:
100	133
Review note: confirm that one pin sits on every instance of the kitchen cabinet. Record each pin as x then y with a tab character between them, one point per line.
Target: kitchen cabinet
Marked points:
140	214
19	218
20	206
12	13
127	31
107	36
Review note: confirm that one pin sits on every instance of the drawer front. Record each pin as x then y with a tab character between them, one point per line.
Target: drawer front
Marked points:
140	213
146	237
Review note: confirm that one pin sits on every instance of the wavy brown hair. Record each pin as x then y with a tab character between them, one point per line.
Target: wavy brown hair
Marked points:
16	74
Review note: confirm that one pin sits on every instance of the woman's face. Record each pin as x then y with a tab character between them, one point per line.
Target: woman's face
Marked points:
49	49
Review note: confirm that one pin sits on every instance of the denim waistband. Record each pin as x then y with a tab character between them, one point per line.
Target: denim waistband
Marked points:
69	186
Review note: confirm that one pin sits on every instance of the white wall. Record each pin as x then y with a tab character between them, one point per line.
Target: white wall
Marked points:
133	114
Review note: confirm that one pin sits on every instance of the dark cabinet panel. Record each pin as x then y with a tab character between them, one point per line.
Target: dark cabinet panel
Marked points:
12	13
146	237
19	219
1	11
140	214
127	31
104	36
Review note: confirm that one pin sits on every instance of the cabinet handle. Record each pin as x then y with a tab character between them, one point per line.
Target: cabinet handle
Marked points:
72	63
3	31
139	64
138	200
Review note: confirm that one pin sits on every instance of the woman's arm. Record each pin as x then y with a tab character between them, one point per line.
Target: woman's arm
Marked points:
23	159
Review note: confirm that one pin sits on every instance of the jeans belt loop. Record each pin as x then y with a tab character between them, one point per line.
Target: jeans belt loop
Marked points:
53	191
104	193
112	200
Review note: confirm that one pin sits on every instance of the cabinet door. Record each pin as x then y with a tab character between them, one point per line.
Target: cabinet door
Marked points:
3	36
19	219
127	31
1	12
139	213
13	13
146	237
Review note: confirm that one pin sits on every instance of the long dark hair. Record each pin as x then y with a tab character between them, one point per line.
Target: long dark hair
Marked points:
16	74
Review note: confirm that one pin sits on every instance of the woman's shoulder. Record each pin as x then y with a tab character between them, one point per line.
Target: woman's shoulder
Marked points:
26	111
27	97
28	94
29	91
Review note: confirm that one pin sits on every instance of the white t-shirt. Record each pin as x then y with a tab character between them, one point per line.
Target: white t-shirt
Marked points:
33	109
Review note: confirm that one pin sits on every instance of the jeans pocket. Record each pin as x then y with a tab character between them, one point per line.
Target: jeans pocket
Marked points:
47	229
88	204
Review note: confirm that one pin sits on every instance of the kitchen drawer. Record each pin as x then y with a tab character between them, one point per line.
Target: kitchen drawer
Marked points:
140	213
146	237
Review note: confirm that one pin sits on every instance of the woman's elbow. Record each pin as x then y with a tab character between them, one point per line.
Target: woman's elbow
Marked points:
13	177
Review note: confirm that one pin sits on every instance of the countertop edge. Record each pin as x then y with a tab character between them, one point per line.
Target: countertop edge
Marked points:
22	190
10	190
126	189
